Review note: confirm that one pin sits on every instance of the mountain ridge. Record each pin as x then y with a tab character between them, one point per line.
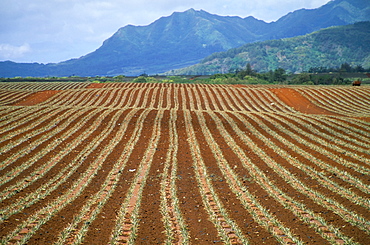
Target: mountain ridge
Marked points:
185	38
328	47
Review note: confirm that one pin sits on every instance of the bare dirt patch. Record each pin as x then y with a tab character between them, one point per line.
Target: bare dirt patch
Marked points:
37	98
239	86
300	103
95	85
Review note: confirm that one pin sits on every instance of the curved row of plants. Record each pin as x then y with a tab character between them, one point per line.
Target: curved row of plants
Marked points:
86	154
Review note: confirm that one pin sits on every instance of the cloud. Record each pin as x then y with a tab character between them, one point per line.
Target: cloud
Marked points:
8	51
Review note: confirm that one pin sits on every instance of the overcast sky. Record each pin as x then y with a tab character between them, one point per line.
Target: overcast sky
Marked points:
56	30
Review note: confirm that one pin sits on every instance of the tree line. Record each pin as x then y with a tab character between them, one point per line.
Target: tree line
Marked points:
314	76
345	67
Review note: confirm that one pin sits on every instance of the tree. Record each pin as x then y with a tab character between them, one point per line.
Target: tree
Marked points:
119	78
345	67
140	79
303	78
359	68
280	75
248	69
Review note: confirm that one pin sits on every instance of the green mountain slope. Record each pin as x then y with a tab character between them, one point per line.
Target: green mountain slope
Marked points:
175	41
330	47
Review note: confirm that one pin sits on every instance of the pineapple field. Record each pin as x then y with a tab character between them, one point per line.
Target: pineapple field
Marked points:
164	163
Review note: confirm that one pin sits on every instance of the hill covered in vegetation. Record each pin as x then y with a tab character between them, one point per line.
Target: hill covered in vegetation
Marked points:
330	47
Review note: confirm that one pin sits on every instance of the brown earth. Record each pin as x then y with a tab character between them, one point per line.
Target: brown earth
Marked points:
95	85
37	98
199	225
366	119
300	103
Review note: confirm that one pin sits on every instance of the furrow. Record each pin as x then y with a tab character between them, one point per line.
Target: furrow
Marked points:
344	128
127	218
62	176
344	175
227	229
27	228
76	230
321	99
320	126
347	215
41	170
299	209
176	229
21	118
33	129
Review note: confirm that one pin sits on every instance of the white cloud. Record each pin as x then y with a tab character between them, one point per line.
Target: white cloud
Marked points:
8	51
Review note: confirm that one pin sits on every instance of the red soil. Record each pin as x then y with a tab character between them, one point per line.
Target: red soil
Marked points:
95	85
200	228
366	119
37	98
300	103
239	86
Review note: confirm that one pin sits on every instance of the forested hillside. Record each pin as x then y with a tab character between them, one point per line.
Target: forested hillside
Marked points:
330	47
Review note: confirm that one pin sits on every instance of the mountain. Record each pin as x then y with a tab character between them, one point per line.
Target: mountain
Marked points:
170	42
304	21
185	38
329	47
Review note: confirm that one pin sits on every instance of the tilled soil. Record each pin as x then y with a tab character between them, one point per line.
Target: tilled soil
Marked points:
320	167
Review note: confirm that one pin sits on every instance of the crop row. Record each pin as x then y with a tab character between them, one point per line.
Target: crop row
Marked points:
15	118
173	219
41	86
207	163
298	208
8	97
317	196
227	228
341	101
63	176
215	98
